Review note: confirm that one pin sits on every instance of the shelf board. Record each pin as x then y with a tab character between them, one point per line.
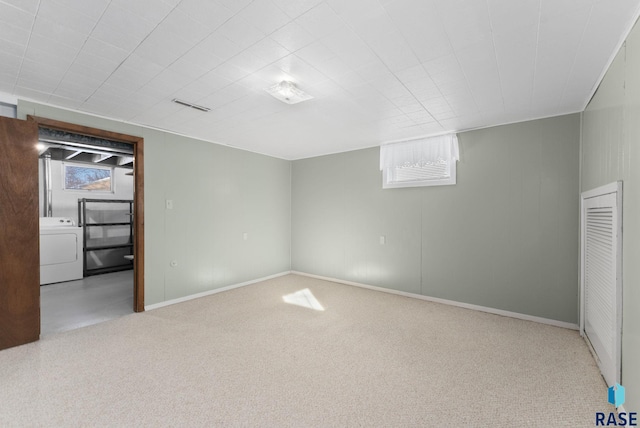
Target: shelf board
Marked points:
128	223
108	247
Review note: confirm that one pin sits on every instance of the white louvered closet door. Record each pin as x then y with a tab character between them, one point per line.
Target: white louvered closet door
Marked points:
601	285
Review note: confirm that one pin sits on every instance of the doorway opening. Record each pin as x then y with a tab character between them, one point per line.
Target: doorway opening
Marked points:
91	226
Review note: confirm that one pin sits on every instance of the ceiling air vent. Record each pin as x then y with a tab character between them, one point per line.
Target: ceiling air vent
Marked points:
188	104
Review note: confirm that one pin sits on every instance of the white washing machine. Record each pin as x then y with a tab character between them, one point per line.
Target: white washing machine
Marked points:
60	250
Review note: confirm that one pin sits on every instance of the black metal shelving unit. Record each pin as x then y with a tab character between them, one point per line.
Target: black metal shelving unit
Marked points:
87	248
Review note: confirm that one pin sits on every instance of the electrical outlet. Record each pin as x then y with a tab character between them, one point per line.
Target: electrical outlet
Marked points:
169	204
383	239
245	236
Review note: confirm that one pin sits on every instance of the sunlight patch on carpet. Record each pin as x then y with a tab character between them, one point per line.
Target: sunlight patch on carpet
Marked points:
304	298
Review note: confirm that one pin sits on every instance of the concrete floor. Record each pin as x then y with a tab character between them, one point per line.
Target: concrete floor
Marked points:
74	304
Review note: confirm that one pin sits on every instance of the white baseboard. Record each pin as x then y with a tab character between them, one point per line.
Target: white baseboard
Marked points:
501	312
210	292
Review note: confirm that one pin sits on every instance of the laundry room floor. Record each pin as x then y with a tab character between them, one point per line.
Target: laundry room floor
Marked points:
74	304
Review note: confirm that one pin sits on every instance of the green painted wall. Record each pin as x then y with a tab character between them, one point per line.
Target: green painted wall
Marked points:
219	193
505	237
611	152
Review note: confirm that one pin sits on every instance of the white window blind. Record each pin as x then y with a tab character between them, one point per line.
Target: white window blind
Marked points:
423	162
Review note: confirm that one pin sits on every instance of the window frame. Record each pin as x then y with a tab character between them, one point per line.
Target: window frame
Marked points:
421	151
111	169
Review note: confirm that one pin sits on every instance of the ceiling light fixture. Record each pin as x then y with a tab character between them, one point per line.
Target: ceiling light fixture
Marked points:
288	92
187	104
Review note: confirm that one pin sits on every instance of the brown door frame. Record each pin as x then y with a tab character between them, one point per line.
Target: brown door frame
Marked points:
138	196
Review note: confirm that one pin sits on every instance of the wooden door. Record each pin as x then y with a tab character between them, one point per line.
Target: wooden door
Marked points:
19	233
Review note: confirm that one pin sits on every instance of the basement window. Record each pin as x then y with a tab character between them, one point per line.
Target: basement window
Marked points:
423	162
90	178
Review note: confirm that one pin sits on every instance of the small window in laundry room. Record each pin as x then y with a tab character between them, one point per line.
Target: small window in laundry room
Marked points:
424	162
90	178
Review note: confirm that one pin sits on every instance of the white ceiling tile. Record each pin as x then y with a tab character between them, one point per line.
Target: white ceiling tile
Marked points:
231	71
412	74
350	81
355	10
128	79
203	57
29	6
320	21
53	60
516	54
29	93
421	26
315	53
181	116
67	17
95	47
269	50
234	6
179	24
121	28
45	85
9	65
254	82
71	87
374	71
296	8
162	48
424	88
566	27
14	34
555	8
111	94
93	9
190	69
152	10
76	79
477	57
59	33
64	102
142	66
15	16
225	96
333	68
508	16
217	45
160	111
414	107
168	82
249	62
301	71
52	49
95	68
207	84
394	52
240	32
293	36
421	117
264	15
210	13
466	22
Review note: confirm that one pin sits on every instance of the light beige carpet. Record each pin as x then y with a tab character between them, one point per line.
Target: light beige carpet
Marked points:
246	358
